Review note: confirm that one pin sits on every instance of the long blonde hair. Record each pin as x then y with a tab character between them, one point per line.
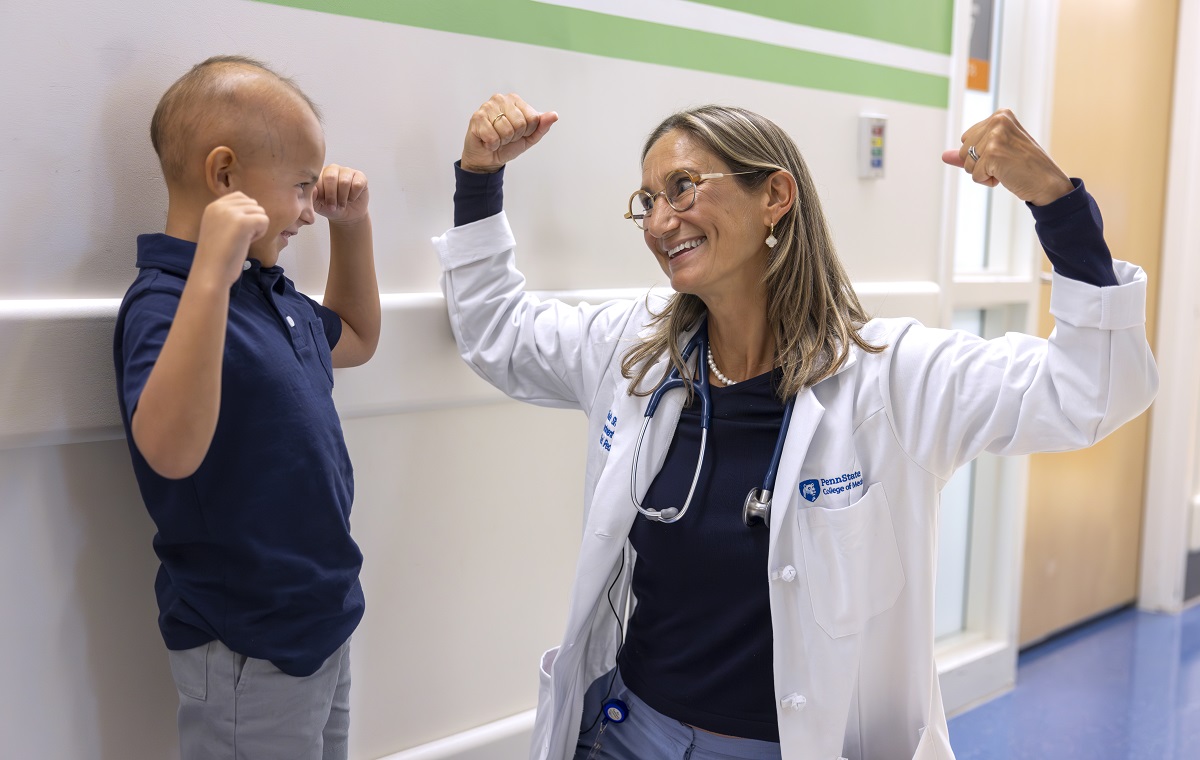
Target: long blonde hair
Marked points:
812	308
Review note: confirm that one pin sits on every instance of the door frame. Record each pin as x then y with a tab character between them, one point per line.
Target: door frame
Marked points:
1171	467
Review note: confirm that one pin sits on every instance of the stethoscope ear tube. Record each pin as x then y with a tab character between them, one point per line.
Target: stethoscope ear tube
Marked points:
675	380
670	514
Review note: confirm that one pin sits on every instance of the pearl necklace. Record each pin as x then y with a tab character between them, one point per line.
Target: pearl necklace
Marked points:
712	364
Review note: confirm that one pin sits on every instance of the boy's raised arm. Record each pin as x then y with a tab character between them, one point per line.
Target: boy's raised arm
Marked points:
176	414
351	290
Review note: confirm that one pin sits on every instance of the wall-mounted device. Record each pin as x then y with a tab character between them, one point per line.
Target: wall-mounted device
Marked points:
872	137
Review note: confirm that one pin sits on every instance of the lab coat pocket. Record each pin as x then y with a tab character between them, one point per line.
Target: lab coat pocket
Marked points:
547	662
852	562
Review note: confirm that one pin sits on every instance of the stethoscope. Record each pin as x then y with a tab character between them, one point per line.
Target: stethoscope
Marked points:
757	507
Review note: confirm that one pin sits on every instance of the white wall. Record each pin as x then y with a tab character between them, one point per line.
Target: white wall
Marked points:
466	576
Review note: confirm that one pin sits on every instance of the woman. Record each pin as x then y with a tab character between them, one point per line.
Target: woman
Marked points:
780	565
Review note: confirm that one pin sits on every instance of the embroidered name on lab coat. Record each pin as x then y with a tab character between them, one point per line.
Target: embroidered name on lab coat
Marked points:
610	427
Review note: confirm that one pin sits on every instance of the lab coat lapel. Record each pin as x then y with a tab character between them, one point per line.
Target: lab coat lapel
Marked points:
612	510
805	418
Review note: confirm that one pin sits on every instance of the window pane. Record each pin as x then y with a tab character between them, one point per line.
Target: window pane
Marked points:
954	527
979	102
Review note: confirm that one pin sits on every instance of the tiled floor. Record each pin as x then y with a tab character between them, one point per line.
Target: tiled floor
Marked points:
1126	686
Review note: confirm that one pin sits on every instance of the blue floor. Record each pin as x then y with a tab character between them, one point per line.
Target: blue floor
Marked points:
1126	686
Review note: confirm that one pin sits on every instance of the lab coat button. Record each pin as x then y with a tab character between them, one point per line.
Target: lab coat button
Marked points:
788	573
793	702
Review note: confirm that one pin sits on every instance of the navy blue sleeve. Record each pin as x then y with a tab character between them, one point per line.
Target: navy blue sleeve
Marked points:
1072	234
147	320
477	196
329	320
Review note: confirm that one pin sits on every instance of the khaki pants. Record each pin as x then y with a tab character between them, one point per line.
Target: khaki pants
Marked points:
232	707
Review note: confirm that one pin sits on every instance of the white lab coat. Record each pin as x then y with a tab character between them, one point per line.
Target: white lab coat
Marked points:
851	573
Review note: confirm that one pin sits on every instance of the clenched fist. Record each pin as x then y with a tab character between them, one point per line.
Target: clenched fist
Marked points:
227	228
501	129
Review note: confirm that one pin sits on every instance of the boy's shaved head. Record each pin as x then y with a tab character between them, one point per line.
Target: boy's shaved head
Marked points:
226	100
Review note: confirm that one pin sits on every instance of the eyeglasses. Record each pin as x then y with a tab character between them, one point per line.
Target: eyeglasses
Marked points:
680	193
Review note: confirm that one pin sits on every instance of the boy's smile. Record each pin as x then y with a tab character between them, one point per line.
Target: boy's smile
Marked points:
281	176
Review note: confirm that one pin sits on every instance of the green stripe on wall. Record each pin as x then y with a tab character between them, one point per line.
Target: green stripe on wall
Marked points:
923	24
614	37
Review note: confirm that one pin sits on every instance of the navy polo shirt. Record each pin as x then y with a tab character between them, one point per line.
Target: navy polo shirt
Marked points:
255	546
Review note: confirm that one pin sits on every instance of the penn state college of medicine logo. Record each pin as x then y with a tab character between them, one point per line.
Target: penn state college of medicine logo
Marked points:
810	489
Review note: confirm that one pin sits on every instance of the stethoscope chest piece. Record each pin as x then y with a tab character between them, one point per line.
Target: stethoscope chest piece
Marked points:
757	508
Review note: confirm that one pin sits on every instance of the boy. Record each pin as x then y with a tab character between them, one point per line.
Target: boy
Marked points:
225	376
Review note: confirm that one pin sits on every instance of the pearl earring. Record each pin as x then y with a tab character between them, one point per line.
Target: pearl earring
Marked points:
771	241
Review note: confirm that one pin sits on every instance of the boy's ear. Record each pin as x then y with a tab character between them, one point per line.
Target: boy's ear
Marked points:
222	171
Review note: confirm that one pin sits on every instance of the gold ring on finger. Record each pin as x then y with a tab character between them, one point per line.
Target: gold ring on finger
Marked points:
498	117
